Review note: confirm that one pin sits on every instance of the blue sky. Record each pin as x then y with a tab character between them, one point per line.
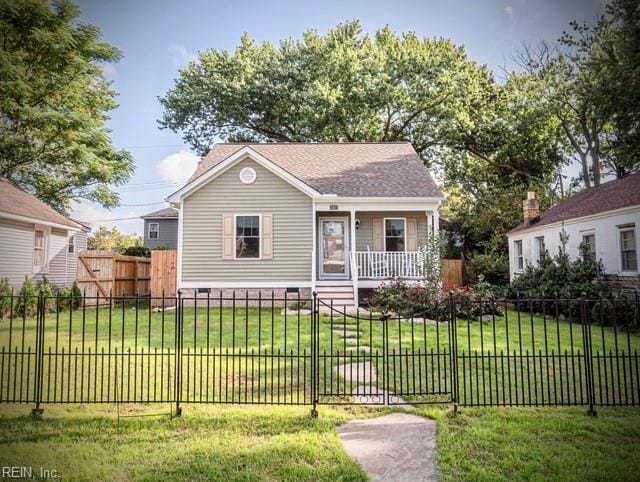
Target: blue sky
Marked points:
159	37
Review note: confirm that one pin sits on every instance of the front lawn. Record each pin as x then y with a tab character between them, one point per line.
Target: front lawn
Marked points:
274	443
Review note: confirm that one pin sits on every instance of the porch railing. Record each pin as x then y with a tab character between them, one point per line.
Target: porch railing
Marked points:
386	265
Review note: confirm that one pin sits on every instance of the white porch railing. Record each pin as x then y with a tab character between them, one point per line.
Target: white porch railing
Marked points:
386	265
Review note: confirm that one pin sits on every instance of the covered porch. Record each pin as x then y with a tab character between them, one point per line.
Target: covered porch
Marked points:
366	245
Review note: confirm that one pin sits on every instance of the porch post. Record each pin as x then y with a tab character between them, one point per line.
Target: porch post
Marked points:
352	257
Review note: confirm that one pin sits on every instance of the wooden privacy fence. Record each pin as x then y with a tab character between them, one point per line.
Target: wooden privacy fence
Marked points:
164	269
452	272
102	272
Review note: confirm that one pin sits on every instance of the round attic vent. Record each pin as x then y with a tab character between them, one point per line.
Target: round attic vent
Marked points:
247	175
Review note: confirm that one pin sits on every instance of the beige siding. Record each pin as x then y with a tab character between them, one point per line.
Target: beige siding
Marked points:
16	251
364	234
269	194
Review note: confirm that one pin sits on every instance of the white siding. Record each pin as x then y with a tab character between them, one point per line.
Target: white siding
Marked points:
16	251
605	228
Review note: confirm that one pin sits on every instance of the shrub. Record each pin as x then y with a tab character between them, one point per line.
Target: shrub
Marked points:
139	251
619	311
492	266
432	301
76	296
27	301
5	298
561	277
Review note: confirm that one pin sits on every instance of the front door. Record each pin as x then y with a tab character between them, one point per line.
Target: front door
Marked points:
334	248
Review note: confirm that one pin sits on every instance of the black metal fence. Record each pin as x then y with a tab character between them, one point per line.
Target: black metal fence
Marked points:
308	351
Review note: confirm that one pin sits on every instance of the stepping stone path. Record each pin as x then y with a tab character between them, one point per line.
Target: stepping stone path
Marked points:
363	374
397	447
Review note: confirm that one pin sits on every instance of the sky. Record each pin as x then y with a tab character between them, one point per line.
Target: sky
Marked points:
159	37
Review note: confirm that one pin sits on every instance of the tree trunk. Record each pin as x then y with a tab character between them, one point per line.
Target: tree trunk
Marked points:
585	169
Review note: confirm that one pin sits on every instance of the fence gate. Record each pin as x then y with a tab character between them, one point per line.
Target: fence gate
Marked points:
364	358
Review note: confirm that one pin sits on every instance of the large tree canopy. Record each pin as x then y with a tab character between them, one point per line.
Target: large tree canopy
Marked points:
344	86
54	102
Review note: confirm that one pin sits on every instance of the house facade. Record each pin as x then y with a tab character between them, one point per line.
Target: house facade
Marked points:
606	218
161	229
335	218
36	241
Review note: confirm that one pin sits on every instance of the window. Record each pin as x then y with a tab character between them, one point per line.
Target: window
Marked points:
628	249
247	237
394	234
540	248
72	245
39	245
517	247
154	230
589	240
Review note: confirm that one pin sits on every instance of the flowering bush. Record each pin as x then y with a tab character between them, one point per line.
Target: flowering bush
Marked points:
432	301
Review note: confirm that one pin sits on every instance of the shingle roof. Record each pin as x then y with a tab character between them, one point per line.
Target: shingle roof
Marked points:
162	213
14	200
621	193
391	169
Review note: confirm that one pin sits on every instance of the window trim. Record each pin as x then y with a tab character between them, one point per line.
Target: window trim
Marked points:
404	235
46	233
235	227
518	257
71	244
157	224
622	229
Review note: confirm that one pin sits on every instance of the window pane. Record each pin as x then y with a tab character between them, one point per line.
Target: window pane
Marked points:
394	227
39	240
395	244
332	228
247	236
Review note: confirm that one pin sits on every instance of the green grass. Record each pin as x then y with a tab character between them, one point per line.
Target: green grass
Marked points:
285	443
539	444
262	354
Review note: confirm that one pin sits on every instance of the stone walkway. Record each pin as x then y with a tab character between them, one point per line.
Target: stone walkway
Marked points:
397	447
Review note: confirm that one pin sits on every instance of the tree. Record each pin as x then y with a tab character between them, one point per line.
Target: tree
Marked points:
54	102
113	240
592	83
344	86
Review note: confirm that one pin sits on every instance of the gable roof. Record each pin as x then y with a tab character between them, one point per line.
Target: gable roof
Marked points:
14	201
390	169
166	213
617	194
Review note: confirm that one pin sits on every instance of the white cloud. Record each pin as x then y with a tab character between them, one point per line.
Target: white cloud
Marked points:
110	71
180	56
90	212
178	167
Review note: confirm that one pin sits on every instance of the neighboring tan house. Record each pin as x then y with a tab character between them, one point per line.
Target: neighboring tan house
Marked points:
161	229
331	217
606	218
35	240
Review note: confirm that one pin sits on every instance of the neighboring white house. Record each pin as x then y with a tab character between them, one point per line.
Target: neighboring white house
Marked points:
35	240
606	218
330	217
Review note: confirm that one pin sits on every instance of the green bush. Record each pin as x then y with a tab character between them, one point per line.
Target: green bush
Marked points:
620	311
5	298
560	277
26	302
492	266
76	296
139	251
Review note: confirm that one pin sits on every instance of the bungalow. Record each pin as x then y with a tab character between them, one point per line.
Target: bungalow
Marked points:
330	217
606	218
35	240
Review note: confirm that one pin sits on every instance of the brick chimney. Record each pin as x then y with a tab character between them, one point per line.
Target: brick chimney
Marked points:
530	208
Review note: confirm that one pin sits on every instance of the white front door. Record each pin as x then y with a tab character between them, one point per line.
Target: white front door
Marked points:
334	247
